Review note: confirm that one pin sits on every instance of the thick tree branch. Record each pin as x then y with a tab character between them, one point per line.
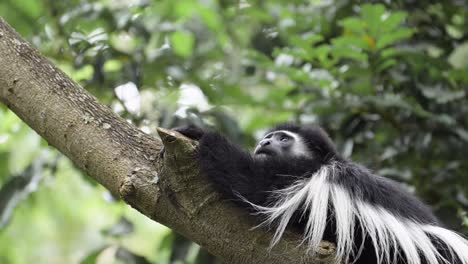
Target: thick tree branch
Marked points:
126	160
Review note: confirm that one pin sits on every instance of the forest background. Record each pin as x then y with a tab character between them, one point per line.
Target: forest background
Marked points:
387	81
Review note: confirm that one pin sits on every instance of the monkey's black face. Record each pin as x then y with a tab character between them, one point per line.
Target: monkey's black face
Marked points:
281	143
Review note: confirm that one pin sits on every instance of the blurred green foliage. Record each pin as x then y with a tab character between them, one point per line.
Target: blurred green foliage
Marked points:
387	81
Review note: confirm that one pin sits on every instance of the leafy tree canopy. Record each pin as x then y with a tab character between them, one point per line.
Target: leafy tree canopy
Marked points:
387	81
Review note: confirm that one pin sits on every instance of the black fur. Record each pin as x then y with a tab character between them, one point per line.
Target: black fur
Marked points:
236	172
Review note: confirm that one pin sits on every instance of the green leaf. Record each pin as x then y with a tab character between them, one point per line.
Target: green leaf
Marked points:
393	37
353	24
462	133
441	95
211	18
459	56
362	87
350	41
113	65
186	9
388	53
97	35
372	13
182	43
83	73
454	32
322	52
346	52
394	20
373	16
386	64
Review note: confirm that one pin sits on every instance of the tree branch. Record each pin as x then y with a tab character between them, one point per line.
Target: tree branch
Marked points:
126	161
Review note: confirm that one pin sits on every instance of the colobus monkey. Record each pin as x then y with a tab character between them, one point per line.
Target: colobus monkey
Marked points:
296	178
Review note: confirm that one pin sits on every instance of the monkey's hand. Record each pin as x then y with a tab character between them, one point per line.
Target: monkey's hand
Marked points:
191	131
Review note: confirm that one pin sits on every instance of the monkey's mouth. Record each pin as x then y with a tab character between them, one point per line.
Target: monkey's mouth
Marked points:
264	151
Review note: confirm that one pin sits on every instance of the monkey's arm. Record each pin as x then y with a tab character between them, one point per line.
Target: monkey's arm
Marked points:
231	169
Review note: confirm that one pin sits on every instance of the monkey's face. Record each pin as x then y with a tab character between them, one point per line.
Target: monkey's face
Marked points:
281	143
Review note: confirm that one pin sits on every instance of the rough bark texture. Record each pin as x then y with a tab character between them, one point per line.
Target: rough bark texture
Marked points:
126	161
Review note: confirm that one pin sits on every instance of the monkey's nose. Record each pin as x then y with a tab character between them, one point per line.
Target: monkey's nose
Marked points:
265	142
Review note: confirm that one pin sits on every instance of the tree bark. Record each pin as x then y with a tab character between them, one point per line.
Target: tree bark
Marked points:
126	161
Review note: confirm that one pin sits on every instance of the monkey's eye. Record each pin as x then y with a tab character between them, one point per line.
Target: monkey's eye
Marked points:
284	139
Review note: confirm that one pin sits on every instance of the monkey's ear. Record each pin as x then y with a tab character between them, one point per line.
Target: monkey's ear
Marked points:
190	131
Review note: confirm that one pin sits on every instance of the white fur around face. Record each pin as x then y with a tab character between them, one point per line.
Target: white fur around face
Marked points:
298	149
385	230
